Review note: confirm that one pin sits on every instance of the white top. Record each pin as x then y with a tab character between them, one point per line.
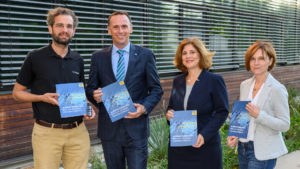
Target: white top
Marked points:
187	94
251	128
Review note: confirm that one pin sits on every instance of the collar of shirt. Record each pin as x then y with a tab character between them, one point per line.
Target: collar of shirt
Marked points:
53	53
254	100
115	49
115	57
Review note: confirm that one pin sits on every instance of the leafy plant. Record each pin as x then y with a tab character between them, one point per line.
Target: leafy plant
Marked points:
158	143
97	161
292	136
230	159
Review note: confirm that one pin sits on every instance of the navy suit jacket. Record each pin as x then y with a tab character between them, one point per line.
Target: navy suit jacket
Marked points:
142	82
209	97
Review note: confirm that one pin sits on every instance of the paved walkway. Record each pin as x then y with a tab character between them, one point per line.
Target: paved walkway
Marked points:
289	161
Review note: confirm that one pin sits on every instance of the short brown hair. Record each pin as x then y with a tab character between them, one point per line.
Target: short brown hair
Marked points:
119	13
205	54
52	13
266	47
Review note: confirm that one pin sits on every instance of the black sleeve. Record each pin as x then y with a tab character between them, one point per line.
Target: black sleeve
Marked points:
81	76
26	74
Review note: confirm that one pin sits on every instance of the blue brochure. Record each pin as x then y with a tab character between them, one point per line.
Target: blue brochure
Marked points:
240	118
71	100
117	100
183	128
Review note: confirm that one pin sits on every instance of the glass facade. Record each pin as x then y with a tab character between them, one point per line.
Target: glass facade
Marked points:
227	27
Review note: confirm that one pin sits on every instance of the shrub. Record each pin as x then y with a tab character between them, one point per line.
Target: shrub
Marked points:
97	161
230	159
158	143
292	136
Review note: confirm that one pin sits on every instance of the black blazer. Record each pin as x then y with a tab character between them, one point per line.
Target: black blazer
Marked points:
142	82
209	97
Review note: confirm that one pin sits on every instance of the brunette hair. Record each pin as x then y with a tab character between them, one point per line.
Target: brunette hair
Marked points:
119	13
205	54
267	49
52	13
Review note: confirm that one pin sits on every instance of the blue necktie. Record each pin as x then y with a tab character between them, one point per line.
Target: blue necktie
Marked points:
121	66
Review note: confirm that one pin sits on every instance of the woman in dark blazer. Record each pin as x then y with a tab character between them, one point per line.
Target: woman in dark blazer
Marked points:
198	89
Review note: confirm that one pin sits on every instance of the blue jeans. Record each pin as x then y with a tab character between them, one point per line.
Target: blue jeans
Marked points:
247	158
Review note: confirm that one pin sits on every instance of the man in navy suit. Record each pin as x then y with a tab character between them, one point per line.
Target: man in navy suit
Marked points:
127	138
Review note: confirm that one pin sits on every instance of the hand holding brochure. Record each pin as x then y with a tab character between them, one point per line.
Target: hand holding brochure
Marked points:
183	128
72	99
117	100
240	118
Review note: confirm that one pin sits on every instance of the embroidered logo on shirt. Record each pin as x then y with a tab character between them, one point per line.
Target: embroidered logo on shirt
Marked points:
75	72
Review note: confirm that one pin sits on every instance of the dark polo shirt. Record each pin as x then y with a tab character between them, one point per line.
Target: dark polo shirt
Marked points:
41	70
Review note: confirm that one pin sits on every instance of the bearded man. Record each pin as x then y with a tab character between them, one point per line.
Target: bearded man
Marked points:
54	139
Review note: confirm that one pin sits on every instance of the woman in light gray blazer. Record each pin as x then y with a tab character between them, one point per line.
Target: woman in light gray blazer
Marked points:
268	108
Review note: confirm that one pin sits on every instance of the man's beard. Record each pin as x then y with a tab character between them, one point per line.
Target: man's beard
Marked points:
57	40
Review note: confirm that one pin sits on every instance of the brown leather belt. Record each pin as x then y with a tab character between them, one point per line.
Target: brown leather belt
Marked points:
62	126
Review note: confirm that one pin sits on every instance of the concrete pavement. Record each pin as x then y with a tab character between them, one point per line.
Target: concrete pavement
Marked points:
289	161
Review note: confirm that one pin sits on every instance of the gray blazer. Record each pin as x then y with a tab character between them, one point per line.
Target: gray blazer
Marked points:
273	119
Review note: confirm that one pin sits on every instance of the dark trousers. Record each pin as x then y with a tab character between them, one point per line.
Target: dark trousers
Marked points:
123	149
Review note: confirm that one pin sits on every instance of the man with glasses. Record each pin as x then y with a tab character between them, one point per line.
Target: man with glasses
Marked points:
54	138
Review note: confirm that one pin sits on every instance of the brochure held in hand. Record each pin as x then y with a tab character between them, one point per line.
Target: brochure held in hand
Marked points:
240	119
72	100
183	128
117	100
